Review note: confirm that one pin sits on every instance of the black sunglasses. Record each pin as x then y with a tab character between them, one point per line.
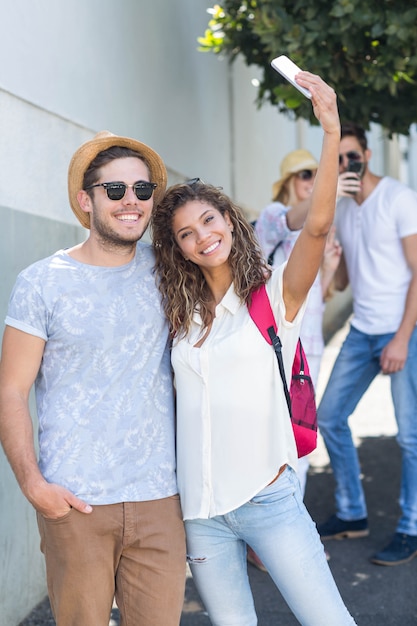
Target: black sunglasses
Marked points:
305	174
116	191
194	181
352	155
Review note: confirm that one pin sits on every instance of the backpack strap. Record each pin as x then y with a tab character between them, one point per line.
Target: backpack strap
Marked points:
261	313
272	253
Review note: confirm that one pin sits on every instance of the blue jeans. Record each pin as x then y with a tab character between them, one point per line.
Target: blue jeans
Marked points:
354	370
276	524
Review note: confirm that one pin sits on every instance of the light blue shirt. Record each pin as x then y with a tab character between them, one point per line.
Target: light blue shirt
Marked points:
104	389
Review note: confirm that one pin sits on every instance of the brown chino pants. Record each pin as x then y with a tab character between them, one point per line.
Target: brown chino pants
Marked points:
132	551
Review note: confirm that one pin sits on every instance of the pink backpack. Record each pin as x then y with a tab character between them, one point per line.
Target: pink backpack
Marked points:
301	397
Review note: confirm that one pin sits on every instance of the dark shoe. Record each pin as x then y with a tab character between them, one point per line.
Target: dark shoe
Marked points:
336	528
254	559
402	549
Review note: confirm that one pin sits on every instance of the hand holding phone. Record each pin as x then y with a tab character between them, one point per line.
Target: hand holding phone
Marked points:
350	180
357	168
288	69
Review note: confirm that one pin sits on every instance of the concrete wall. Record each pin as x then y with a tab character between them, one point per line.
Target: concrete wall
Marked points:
131	67
70	69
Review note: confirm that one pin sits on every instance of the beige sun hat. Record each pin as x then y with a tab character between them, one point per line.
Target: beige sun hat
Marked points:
88	151
293	162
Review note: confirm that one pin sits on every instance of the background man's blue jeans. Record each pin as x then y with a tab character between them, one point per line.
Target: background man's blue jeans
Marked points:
354	369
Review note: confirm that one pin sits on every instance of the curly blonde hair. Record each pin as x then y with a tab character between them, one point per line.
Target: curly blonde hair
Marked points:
182	284
287	195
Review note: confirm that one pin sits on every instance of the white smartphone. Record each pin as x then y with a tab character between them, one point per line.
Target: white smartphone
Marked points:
288	69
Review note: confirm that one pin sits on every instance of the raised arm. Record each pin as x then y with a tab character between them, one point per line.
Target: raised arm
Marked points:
306	256
296	214
20	362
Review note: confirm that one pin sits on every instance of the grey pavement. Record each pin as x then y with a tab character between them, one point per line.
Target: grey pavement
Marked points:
375	595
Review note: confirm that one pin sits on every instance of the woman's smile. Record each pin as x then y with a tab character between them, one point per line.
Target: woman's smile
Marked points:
211	248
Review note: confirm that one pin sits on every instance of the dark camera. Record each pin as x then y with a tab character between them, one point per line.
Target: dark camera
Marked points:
356	167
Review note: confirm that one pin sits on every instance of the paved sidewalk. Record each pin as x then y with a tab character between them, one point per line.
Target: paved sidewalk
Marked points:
375	595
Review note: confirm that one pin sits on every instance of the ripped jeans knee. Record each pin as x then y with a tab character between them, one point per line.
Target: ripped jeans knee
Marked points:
195	560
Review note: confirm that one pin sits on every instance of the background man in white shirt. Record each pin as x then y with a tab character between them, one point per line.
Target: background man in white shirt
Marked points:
376	221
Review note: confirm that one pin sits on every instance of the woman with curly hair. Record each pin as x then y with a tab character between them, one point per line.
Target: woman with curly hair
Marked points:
236	454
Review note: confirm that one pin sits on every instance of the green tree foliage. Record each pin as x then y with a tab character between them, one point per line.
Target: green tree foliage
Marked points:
365	49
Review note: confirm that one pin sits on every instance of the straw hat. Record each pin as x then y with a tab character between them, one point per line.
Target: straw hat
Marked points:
88	152
294	162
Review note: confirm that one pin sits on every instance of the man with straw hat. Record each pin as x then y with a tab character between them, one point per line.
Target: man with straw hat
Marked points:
86	327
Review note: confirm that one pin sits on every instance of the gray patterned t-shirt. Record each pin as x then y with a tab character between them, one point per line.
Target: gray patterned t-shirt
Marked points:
104	390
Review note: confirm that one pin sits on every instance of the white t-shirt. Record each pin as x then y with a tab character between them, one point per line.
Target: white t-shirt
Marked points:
233	427
371	235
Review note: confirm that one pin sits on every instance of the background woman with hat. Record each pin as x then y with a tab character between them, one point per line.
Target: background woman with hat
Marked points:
277	230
